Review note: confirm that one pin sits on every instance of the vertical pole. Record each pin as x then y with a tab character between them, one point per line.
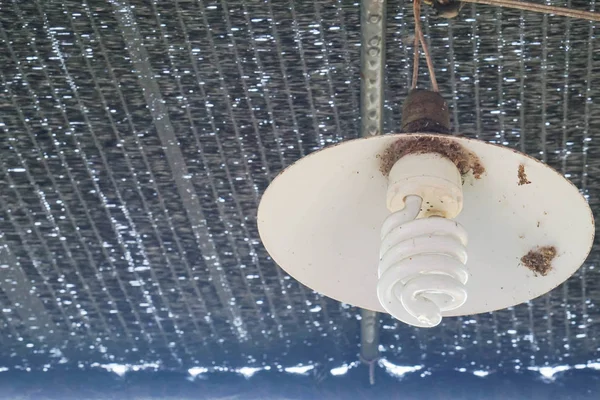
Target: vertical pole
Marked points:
372	55
372	50
369	341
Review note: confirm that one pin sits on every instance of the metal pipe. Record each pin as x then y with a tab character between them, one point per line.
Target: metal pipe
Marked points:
372	56
373	16
369	341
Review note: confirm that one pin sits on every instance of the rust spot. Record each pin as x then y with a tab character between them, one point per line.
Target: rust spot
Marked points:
464	160
539	260
522	176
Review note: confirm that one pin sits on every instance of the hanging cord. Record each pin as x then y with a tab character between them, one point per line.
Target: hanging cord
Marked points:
417	14
540	8
515	4
419	37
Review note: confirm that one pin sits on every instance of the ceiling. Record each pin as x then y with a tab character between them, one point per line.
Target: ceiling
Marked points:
138	137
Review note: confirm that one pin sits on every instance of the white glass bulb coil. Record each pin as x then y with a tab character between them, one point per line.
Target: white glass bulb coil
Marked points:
423	252
422	265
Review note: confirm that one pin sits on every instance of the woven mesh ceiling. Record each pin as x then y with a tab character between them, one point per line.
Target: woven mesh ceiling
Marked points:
138	136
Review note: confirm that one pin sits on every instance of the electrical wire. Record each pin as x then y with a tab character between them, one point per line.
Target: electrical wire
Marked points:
419	37
417	15
515	4
540	8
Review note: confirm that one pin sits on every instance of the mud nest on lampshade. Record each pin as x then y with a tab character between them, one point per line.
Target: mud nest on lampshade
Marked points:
539	260
465	160
522	175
